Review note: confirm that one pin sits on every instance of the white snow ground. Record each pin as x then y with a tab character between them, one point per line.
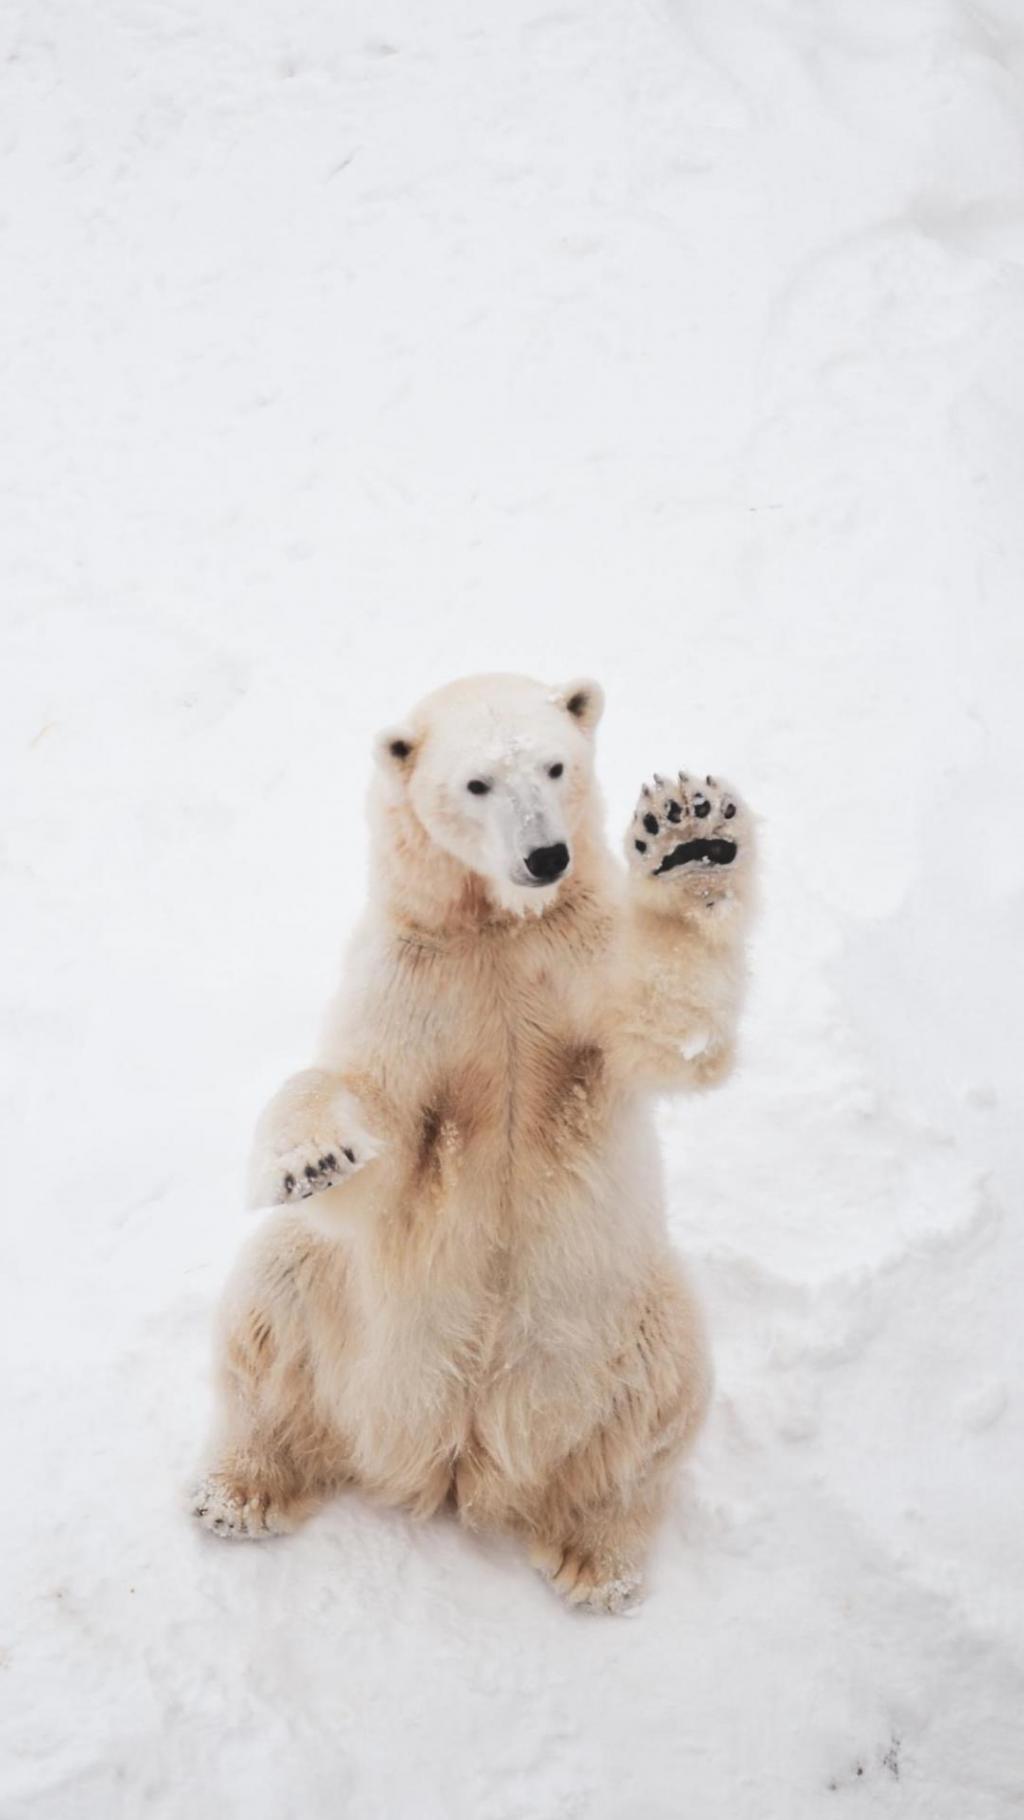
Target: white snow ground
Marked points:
347	348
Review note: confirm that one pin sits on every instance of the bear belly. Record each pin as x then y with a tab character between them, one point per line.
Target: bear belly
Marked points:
504	1287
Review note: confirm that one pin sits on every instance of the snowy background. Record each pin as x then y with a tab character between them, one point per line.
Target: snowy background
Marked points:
349	347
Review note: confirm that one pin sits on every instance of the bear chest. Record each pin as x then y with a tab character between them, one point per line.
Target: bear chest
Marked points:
514	1073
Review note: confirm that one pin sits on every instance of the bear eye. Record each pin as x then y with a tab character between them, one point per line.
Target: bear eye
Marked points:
555	770
478	787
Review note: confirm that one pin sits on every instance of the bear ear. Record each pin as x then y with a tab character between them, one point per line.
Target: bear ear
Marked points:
395	749
584	700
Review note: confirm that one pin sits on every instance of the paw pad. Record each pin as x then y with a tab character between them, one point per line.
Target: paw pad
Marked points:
664	830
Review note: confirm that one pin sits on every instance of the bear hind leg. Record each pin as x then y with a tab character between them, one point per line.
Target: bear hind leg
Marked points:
590	1532
275	1458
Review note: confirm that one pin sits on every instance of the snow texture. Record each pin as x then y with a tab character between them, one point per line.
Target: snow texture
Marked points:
346	349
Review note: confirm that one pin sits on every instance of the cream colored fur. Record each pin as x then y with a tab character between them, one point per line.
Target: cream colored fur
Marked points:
478	1302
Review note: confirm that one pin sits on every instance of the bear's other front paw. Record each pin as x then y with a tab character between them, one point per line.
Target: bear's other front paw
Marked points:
687	828
316	1146
308	1169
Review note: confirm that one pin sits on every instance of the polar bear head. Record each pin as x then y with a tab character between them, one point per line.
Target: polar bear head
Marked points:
497	773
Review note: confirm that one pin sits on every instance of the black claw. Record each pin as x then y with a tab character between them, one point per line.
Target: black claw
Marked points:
675	811
651	824
349	1153
640	845
729	811
289	1183
329	1161
711	781
702	806
311	1173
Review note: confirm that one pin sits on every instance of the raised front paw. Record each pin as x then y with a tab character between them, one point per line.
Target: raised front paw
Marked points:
687	828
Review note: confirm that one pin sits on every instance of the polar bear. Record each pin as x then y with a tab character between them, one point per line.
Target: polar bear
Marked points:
469	1294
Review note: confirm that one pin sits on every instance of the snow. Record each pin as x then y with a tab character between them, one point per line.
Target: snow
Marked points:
347	349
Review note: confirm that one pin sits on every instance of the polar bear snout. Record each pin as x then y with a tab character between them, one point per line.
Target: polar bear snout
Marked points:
545	864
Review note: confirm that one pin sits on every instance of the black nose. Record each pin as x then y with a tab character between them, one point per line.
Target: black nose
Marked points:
547	863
